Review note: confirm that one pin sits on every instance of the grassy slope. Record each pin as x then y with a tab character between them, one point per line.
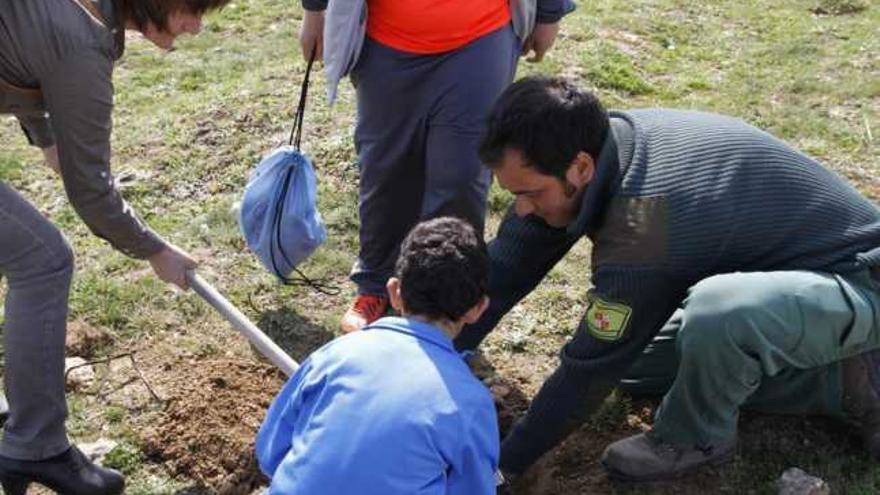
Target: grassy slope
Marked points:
190	124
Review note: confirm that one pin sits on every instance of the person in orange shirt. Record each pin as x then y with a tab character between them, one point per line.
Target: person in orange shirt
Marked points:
426	74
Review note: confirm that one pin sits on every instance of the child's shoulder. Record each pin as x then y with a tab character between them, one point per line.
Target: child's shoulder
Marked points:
364	344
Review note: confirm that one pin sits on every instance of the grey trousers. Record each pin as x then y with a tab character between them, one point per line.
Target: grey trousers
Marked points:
37	263
420	118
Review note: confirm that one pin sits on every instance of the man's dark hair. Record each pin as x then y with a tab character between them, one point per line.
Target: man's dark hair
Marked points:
443	269
549	120
142	12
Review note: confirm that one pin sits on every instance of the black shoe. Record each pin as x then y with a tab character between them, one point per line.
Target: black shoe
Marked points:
861	397
645	457
70	473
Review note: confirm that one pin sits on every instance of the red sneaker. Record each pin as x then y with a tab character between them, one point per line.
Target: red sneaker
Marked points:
365	309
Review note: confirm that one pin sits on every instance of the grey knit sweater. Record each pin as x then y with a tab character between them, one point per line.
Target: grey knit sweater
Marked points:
678	196
65	53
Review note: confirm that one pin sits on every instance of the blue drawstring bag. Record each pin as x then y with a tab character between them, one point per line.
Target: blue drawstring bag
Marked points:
279	217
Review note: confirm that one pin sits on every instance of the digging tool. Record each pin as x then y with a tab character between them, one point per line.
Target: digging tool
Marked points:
260	340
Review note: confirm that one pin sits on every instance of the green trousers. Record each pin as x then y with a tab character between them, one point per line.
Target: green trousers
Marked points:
768	341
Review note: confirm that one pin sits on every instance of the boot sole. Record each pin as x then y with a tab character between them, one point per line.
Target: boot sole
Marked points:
717	461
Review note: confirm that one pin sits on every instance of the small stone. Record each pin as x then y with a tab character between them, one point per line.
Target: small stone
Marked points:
480	366
795	481
500	391
635	421
81	376
235	209
96	451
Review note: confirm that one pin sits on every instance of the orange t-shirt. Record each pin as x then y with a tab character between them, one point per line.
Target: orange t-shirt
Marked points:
433	26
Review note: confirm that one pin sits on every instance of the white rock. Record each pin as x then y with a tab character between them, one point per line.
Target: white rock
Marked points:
82	376
96	451
795	481
235	209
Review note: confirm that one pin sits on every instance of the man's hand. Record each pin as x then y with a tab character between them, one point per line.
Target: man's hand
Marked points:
311	34
50	154
171	264
541	39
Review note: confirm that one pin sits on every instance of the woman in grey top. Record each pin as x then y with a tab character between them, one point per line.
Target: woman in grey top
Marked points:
56	64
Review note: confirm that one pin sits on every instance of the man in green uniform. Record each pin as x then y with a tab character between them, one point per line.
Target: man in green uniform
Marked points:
728	270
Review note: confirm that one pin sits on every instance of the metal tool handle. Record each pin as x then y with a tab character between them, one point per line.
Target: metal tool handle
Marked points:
241	323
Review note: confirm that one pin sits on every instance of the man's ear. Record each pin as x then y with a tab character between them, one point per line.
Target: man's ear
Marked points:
476	312
581	170
393	288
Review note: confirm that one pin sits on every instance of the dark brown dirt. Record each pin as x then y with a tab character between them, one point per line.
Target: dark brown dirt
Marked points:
215	407
292	332
85	340
206	433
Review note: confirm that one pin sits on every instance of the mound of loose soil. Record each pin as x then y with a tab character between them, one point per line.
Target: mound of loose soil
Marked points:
84	340
207	430
510	402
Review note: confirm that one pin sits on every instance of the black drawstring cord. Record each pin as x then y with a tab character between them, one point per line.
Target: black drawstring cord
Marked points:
319	285
296	131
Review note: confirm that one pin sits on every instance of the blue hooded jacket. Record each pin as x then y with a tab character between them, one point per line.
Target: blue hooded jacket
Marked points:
390	410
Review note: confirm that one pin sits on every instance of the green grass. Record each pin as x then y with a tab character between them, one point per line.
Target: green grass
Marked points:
125	458
190	124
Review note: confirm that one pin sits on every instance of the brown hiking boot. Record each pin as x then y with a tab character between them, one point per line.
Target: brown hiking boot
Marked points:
644	457
861	397
365	309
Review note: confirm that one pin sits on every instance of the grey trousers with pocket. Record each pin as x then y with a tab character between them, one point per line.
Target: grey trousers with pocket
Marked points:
37	263
420	119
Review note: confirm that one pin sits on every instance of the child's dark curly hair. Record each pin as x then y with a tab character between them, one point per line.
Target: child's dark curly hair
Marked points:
443	269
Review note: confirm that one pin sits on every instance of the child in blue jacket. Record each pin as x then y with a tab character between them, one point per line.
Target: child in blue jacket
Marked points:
394	409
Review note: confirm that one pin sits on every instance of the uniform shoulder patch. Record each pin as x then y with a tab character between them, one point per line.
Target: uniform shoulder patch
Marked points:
607	320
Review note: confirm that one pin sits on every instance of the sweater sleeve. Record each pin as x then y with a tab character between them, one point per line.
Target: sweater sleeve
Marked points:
626	309
314	4
550	11
522	253
79	97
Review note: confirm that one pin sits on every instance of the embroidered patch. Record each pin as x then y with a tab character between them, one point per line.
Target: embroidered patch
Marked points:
607	320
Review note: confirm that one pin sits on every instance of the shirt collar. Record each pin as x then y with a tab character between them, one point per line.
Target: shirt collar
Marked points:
415	328
614	159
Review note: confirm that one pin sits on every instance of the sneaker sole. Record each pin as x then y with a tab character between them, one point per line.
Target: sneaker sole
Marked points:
717	461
